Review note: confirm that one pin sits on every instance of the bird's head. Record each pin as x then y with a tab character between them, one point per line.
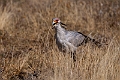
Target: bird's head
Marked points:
56	21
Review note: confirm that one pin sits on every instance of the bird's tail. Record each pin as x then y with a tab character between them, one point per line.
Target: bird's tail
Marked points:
93	40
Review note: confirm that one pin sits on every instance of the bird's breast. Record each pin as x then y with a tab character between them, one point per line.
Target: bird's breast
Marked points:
60	38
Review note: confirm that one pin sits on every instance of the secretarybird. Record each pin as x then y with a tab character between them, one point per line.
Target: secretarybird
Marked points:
68	41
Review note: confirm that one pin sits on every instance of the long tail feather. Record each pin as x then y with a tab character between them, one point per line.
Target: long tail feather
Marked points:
93	40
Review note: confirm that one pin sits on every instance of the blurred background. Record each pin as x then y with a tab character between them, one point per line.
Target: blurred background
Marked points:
27	46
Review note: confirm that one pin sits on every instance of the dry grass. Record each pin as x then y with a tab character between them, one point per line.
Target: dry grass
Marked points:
27	46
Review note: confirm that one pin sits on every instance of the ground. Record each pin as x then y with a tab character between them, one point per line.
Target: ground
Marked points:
27	46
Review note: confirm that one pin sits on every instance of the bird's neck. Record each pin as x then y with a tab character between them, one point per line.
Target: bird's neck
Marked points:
60	30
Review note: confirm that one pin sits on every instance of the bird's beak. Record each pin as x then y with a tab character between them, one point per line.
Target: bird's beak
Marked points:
53	24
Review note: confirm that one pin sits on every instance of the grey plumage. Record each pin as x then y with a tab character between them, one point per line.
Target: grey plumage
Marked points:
68	40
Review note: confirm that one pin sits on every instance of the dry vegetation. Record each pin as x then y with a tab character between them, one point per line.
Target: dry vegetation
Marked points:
27	45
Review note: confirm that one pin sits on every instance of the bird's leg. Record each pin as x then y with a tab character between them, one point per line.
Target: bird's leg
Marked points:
72	49
73	55
66	48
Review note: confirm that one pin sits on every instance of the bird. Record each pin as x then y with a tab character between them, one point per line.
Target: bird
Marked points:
69	41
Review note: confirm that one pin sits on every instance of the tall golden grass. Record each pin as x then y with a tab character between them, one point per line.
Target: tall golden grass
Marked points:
27	46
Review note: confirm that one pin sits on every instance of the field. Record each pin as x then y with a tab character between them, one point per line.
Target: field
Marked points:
27	46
